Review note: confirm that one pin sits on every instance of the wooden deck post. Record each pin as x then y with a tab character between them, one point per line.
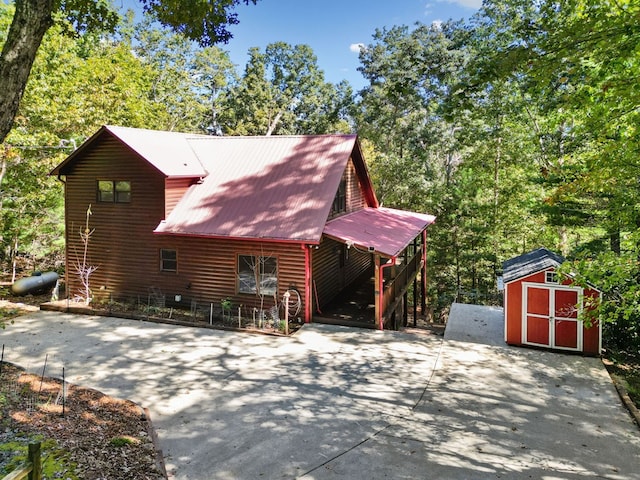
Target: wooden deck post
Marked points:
423	273
376	289
405	309
36	463
415	301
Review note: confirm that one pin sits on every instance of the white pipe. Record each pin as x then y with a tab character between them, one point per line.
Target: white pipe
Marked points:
286	311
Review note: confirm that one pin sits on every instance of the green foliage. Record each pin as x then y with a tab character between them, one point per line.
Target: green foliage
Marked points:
120	442
282	91
618	277
200	20
183	82
517	129
470	163
57	465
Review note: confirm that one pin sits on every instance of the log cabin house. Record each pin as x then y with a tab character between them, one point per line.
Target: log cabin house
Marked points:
242	219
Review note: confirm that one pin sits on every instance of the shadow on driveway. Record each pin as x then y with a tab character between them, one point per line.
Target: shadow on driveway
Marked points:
337	402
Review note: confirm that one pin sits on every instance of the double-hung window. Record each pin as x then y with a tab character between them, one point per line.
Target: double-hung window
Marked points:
168	260
340	200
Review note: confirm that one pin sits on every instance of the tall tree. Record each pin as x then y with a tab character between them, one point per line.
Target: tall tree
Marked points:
283	91
186	80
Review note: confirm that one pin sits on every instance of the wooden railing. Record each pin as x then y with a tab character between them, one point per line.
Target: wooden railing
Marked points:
32	469
396	287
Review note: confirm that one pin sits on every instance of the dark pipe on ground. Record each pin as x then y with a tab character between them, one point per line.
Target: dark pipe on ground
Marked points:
36	283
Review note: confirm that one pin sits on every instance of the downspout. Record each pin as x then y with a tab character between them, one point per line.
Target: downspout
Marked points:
381	290
307	282
424	258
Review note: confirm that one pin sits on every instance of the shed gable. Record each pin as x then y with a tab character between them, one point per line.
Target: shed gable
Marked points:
530	263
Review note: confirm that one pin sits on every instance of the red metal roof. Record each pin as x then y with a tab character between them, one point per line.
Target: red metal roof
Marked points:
275	187
169	152
385	230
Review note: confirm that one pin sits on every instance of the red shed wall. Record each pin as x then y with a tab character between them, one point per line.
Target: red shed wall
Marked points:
513	307
514	320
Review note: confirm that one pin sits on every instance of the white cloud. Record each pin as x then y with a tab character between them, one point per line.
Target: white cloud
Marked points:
357	47
474	4
437	24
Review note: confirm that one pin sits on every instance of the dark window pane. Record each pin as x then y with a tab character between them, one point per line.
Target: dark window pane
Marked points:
268	276
105	191
123	192
246	274
168	260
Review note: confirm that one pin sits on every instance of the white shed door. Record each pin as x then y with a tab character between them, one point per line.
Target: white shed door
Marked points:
551	316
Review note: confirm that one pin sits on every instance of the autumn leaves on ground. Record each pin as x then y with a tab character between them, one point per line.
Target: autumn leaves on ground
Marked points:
87	436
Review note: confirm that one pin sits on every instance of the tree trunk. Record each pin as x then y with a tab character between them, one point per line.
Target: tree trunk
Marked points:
274	123
496	203
31	21
614	241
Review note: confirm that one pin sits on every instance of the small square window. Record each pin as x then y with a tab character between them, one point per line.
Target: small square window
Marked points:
551	277
168	260
110	191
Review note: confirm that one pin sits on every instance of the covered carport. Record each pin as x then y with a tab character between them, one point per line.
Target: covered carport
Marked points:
396	242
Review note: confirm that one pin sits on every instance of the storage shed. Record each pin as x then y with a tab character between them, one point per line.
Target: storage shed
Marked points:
545	310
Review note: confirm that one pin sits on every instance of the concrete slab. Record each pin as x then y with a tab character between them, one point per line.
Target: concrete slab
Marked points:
475	324
336	402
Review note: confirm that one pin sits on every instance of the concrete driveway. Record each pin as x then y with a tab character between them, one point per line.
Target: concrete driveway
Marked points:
334	402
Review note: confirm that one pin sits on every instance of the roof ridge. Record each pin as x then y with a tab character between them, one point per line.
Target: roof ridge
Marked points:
263	137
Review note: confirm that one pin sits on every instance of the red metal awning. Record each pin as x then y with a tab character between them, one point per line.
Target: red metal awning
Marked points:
385	231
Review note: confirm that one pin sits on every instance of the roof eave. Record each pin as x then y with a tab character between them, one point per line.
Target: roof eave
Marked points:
238	238
57	171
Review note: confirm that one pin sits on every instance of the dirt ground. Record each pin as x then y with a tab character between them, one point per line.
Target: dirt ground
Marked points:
95	436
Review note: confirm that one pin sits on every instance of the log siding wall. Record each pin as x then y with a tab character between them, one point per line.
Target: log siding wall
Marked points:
122	245
355	197
329	277
127	252
208	269
175	188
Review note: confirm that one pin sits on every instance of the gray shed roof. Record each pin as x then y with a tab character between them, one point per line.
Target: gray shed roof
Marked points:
528	263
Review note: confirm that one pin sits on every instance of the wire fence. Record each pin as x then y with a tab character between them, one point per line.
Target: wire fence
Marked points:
221	313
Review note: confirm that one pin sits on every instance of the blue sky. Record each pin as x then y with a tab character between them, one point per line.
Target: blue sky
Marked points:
332	28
